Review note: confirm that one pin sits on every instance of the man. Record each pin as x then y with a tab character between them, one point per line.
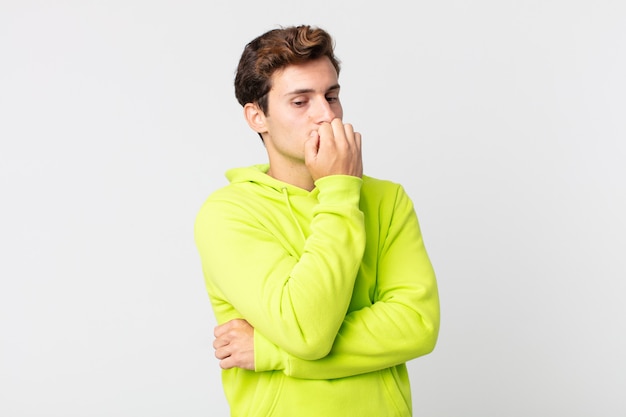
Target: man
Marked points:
317	274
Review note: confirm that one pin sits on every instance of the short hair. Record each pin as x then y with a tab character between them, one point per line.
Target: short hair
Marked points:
274	50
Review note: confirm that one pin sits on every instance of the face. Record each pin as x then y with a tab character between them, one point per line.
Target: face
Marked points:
302	97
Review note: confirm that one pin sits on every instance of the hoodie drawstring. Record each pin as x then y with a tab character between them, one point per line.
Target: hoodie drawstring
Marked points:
285	193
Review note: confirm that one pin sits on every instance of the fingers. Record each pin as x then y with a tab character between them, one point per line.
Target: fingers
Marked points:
227	363
234	344
337	134
334	149
229	326
311	146
222	345
345	132
225	355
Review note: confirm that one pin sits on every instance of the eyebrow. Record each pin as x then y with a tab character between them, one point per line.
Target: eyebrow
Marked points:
310	90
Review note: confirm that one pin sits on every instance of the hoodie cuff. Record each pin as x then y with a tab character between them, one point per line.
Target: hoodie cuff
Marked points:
267	356
339	189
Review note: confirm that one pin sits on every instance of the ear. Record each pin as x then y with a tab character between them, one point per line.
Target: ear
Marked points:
255	117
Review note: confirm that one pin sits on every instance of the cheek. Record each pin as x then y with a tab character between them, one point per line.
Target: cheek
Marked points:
296	122
338	111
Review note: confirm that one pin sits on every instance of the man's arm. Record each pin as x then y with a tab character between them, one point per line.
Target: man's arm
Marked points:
400	325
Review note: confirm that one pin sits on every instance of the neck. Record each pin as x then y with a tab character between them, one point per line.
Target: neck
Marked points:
297	175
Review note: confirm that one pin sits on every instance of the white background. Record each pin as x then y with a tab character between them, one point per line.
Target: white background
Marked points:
504	120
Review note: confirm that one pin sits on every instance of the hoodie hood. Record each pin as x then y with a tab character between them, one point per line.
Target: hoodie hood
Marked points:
258	174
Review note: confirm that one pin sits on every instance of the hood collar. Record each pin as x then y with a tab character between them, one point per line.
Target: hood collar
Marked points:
258	174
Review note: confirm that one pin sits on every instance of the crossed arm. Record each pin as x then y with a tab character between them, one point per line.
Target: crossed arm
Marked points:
401	324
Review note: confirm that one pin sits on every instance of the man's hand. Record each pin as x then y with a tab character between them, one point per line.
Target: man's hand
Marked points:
335	149
234	344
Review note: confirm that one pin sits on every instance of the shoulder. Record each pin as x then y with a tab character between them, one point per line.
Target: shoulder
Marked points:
381	188
238	194
384	193
240	203
232	198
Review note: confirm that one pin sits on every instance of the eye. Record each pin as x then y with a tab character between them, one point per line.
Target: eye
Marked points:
299	102
332	99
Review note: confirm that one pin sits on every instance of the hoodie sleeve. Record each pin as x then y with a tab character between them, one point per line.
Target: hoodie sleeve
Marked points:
247	267
401	324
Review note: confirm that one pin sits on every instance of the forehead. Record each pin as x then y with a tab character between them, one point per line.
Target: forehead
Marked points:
319	74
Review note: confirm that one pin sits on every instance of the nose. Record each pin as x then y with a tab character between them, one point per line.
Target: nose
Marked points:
324	112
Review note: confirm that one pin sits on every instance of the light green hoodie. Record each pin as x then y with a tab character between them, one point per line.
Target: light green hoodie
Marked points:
336	283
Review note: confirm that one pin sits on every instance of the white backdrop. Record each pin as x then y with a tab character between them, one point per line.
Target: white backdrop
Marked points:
505	121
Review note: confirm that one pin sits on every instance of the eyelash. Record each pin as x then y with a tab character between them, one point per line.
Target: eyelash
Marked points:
330	99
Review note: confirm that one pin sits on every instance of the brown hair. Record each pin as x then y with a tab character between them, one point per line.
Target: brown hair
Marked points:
275	50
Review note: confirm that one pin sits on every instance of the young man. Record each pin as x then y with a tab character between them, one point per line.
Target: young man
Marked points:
317	274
